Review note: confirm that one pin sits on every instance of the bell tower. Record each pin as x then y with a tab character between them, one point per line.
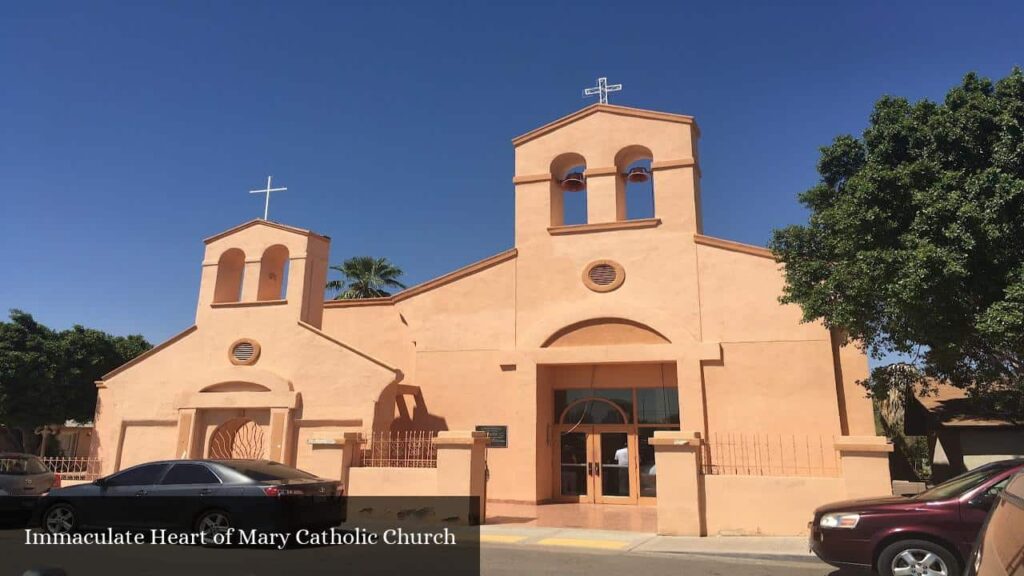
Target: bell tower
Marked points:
264	265
600	151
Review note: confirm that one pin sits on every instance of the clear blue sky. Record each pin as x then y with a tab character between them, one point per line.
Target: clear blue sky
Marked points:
129	131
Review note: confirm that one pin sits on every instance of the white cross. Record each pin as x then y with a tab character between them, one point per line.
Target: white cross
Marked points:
602	89
267	191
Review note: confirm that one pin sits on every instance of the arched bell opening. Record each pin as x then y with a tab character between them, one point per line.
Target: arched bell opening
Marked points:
273	274
635	183
568	190
230	272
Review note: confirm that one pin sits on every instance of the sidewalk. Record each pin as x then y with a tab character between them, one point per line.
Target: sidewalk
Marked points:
780	547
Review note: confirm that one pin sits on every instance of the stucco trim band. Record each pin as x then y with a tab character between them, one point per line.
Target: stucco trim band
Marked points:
321	333
531	178
666	164
733	246
251	223
237	400
180	335
429	284
248	304
675	438
609	108
863	444
604	226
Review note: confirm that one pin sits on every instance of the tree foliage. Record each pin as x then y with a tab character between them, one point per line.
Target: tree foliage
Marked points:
365	277
915	242
48	376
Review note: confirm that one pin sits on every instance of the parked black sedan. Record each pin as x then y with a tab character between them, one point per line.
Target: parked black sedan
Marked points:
198	496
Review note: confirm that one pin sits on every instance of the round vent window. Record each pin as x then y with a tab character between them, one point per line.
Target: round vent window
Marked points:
603	276
244	352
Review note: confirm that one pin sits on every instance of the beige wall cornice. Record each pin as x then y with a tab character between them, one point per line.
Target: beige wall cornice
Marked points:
328	337
604	226
261	222
248	304
428	285
733	246
666	164
863	444
604	171
608	109
237	400
530	179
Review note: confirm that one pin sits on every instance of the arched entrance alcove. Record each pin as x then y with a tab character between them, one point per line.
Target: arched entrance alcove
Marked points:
238	438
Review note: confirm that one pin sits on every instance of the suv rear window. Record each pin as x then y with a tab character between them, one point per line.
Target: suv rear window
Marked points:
268	471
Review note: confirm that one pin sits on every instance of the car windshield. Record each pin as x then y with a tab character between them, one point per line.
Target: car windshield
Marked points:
958	485
267	471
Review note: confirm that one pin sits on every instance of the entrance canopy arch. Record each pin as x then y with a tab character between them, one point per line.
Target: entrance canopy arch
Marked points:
605	332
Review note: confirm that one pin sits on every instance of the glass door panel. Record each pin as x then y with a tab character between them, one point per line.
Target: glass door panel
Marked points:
574	464
613	451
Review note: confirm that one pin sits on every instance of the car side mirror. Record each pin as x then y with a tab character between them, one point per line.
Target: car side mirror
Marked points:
101	482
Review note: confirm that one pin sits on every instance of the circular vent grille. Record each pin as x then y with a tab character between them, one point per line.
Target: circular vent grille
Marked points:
244	352
603	276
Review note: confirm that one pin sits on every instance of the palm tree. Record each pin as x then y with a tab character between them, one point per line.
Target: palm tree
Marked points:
365	277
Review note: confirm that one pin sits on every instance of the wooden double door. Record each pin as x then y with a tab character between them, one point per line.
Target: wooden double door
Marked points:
596	464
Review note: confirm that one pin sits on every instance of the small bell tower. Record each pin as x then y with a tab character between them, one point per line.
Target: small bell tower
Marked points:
600	151
264	265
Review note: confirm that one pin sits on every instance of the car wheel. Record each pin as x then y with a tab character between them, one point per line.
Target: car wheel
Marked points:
213	522
917	558
59	519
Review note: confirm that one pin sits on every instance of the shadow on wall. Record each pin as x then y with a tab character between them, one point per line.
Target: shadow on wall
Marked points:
413	413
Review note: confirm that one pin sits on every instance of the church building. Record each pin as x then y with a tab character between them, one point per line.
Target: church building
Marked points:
573	348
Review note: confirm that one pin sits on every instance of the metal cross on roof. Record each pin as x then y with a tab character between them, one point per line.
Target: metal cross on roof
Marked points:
602	89
267	191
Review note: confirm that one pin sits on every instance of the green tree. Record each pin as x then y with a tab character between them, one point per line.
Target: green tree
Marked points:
48	377
915	242
365	277
27	372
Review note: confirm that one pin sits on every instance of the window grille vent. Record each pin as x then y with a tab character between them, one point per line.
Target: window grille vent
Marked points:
602	274
244	352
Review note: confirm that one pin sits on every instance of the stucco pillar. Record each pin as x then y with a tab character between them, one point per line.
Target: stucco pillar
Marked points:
251	281
187	422
602	196
865	464
856	415
691	394
461	469
351	451
677	460
280	435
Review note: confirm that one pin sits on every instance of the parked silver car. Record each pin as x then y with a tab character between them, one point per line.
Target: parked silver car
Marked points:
25	475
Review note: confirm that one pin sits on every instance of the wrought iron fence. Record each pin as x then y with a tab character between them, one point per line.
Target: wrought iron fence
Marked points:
74	468
761	454
400	449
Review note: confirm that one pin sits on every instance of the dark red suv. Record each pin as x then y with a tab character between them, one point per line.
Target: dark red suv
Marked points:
927	534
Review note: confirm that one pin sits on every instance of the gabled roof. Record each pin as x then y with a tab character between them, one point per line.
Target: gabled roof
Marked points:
605	108
950	406
262	222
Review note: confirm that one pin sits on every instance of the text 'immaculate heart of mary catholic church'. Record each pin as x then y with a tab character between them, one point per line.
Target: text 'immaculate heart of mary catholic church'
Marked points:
614	361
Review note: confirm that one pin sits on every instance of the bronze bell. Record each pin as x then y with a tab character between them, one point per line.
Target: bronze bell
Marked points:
574	182
638	174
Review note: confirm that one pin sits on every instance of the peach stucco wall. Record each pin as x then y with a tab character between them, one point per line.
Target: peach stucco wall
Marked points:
472	347
768	505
